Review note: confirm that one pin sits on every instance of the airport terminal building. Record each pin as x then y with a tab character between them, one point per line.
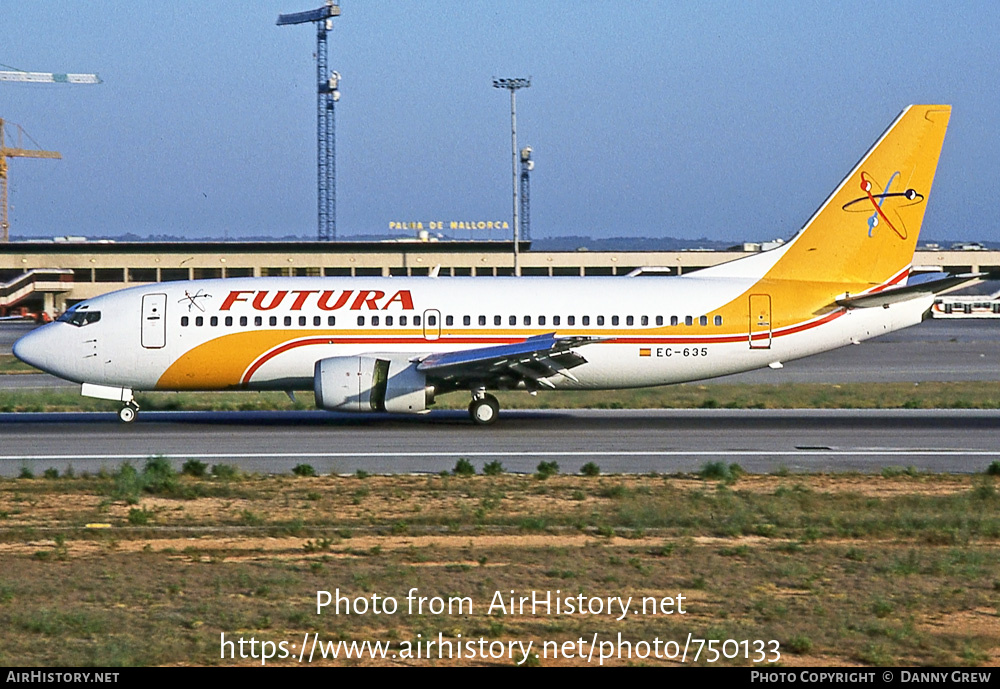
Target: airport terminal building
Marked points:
50	275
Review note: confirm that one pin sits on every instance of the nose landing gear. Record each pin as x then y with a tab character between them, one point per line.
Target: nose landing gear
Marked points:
128	413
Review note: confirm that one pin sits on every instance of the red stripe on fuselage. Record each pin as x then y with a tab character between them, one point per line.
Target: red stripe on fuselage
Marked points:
491	341
280	349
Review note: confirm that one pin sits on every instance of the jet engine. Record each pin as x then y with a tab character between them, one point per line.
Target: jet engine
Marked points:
371	383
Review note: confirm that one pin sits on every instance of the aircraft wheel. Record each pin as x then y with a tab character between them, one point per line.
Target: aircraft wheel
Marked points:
127	414
484	411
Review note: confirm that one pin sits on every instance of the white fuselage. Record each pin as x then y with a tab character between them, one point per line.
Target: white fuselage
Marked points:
268	333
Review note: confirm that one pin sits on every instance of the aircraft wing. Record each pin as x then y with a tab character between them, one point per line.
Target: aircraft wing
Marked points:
900	294
533	361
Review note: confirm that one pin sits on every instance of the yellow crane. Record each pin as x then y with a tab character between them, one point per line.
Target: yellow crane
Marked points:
16	151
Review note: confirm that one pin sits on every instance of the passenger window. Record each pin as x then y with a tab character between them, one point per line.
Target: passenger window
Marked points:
273	320
199	321
361	320
541	320
614	320
527	320
331	321
184	321
586	320
229	321
512	320
703	320
629	320
555	320
388	320
644	321
450	320
302	320
374	320
467	320
496	320
214	321
258	321
317	321
288	321
688	320
673	320
659	320
570	320
416	320
432	320
243	321
482	320
402	320
718	320
600	320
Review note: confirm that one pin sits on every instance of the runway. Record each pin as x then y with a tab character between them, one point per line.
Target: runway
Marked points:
619	441
638	441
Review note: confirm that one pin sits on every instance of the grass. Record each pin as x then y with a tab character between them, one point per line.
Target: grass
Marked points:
10	364
959	395
893	569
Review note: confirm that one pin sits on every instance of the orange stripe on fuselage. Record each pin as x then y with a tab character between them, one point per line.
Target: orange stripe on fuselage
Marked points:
231	361
331	340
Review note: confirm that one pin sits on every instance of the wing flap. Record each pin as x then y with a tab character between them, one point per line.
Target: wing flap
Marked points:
534	360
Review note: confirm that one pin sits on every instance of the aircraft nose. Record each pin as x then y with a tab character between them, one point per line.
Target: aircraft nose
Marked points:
32	349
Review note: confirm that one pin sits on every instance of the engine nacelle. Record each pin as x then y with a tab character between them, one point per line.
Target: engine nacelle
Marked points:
371	383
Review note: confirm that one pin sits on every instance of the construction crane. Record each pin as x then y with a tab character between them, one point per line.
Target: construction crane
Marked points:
16	151
326	135
48	77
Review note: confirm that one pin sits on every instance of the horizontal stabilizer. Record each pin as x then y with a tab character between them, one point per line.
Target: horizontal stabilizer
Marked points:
901	294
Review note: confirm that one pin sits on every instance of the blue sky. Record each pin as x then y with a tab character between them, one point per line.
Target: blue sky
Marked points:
725	120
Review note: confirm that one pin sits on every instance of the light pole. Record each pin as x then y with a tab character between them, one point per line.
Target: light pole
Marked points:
527	165
513	85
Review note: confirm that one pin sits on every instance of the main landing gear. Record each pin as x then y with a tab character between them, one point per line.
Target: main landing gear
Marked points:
128	413
484	408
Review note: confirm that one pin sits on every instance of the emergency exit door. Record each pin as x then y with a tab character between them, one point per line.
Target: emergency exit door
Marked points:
154	321
432	324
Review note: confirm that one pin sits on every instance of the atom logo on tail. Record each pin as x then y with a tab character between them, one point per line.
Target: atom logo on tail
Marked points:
900	199
192	299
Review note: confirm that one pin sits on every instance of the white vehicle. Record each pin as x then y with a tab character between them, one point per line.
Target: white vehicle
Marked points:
393	345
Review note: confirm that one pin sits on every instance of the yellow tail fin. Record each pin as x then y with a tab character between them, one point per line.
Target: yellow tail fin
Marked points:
866	231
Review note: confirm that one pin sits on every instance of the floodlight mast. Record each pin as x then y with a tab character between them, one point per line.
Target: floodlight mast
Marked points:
527	165
513	85
327	94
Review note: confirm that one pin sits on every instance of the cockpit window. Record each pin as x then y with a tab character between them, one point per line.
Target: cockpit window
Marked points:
80	318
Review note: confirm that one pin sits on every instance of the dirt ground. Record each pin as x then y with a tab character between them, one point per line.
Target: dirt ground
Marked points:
841	570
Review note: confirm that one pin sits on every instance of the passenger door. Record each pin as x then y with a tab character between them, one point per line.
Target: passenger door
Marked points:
154	321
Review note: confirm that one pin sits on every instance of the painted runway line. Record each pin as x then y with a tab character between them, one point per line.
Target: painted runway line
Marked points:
527	453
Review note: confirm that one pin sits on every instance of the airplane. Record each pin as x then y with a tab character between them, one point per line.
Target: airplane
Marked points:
393	345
